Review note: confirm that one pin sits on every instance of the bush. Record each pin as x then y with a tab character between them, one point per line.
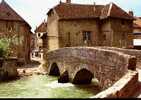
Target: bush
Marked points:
2	52
4	47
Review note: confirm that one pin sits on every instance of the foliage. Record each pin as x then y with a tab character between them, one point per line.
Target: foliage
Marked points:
4	47
9	43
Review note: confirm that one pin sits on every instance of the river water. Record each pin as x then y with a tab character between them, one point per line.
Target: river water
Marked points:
43	86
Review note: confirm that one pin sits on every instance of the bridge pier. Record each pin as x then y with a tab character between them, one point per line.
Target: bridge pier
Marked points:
64	78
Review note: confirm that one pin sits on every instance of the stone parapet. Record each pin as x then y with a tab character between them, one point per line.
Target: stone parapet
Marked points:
133	52
124	88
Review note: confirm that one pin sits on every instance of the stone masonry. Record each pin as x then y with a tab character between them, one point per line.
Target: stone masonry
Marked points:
101	63
133	52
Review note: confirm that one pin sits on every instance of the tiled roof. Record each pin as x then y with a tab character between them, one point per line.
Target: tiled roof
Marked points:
117	12
67	11
7	13
42	27
73	11
136	26
137	22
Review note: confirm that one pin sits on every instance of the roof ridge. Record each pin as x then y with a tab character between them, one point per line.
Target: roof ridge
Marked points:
79	4
3	1
110	8
41	26
6	8
73	10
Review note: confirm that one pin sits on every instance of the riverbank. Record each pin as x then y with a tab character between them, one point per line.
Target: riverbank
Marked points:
35	67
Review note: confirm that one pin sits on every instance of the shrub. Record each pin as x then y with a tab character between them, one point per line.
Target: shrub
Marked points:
4	47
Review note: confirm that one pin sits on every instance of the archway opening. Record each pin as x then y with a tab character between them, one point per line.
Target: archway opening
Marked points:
54	71
83	77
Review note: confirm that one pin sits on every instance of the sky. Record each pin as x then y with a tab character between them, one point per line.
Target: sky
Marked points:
34	11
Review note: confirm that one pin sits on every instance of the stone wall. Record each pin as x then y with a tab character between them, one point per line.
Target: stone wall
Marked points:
52	30
121	30
71	32
101	62
107	33
126	87
21	46
8	69
117	32
133	52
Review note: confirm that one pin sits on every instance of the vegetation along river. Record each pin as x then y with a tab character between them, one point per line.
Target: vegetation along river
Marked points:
43	86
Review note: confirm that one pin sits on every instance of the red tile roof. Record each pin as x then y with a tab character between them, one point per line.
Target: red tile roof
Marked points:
136	26
118	12
42	27
73	11
66	11
7	13
137	23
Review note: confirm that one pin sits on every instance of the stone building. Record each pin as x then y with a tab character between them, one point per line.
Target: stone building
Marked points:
41	36
15	29
32	42
137	32
40	40
137	25
88	25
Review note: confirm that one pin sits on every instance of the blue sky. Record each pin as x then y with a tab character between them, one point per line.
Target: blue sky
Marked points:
34	11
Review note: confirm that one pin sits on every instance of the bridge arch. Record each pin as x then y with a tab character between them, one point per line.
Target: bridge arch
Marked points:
83	76
54	70
102	63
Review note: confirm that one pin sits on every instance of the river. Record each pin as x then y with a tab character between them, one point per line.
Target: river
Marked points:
44	86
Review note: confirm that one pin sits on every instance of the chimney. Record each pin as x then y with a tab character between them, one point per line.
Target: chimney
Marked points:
68	1
131	13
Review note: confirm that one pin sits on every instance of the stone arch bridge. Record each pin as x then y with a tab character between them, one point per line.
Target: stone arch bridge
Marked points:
80	64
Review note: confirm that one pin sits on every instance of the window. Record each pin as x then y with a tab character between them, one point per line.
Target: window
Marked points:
86	35
123	22
69	40
39	34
